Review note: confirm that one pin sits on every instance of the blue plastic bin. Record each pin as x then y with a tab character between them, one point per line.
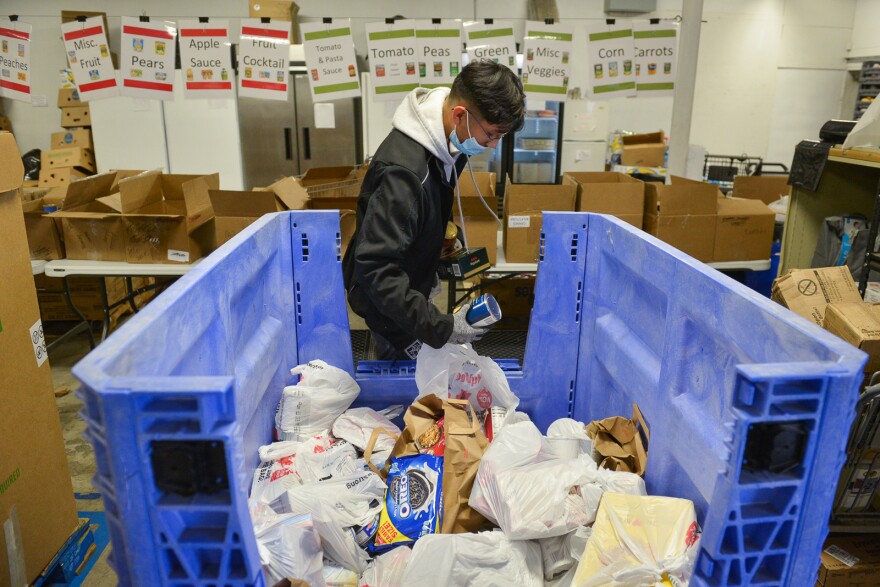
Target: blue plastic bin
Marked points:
749	406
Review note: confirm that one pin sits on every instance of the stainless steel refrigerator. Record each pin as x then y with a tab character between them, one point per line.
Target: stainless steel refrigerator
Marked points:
279	139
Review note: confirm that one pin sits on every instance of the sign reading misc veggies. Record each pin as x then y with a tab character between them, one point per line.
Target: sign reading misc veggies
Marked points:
264	59
88	57
494	42
331	61
611	60
393	59
205	59
546	67
655	57
439	46
148	55
15	60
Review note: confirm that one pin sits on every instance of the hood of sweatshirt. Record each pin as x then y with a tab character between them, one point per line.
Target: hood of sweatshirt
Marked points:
420	117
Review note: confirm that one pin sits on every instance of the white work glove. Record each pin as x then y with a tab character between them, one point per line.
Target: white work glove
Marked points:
462	332
435	289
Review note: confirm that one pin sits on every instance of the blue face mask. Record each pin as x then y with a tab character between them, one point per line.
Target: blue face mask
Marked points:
470	147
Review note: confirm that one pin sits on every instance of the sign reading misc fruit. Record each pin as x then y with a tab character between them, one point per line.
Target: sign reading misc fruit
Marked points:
264	59
330	59
148	52
88	57
15	60
205	58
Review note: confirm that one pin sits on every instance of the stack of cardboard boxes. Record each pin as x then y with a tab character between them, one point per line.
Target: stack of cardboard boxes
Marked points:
72	154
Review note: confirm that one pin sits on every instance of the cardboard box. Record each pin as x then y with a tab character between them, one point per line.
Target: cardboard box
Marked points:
481	226
92	230
80	158
235	211
74	137
36	496
515	296
857	323
166	217
85	292
43	233
68	97
276	10
605	192
76	116
743	230
523	207
807	292
683	215
767	188
850	560
61	176
5	125
645	150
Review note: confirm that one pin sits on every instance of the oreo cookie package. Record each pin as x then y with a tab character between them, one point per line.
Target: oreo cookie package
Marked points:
413	501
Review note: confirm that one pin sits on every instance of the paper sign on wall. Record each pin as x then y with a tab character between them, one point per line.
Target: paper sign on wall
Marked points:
546	67
148	52
264	56
611	60
439	52
331	61
494	42
205	59
15	60
88	56
391	52
655	57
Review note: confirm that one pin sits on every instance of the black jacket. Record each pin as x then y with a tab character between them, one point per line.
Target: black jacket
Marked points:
389	267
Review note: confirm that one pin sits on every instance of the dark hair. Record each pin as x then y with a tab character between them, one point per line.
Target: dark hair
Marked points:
494	90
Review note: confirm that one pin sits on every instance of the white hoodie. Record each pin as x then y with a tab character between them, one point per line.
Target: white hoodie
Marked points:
420	117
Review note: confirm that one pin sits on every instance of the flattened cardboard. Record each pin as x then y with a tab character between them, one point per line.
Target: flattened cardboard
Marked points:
833	572
858	324
481	226
33	463
79	157
807	292
643	150
743	230
76	116
523	207
605	192
767	188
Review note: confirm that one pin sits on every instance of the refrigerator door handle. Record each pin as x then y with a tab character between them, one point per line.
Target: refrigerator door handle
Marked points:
307	146
288	145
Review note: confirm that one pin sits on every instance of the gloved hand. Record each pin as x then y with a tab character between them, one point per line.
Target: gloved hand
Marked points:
435	289
462	332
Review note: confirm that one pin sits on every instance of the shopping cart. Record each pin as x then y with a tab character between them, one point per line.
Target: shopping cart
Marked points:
855	508
721	169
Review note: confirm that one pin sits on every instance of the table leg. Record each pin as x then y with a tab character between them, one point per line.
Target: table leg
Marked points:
129	294
105	307
450	297
83	324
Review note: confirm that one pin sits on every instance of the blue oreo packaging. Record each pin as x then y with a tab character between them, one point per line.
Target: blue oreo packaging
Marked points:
413	501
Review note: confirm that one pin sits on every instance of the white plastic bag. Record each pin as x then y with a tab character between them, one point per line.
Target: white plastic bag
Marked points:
338	577
289	548
311	406
356	426
276	473
487	559
336	506
387	569
561	553
528	493
321	457
568	428
459	372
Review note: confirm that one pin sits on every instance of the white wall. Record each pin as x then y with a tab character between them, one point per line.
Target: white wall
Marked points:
753	55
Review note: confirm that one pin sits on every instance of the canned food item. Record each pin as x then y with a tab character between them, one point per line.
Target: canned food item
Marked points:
438	68
315	74
652	69
612	69
351	71
627	66
667	68
423	69
597	71
453	68
160	47
364	534
530	54
380	70
638	68
410	68
565	56
484	312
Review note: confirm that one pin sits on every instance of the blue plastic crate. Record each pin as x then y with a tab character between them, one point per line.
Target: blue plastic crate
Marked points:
721	374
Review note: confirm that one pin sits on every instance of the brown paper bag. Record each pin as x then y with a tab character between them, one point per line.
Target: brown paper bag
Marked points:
619	444
465	446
